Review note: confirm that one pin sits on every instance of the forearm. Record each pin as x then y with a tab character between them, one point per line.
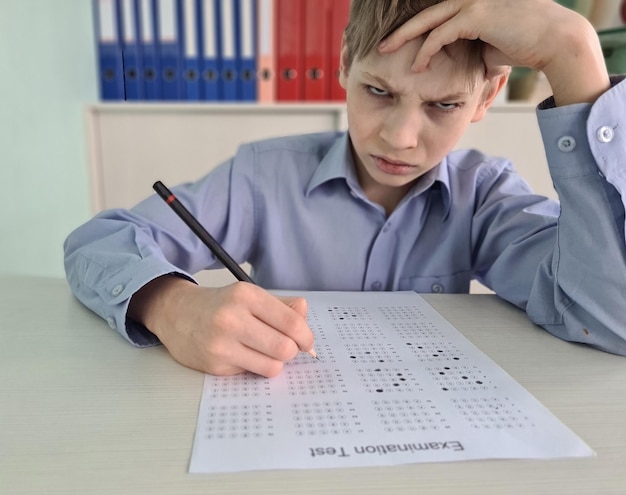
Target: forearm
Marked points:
107	260
579	292
576	70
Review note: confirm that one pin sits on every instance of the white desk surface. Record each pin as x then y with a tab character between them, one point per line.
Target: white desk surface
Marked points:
83	412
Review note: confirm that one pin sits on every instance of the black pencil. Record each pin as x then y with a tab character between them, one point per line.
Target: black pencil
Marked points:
201	232
205	237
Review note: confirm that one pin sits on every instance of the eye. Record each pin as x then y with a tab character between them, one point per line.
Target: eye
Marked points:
446	107
377	91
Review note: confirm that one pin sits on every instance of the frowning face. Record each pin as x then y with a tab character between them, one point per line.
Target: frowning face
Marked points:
402	123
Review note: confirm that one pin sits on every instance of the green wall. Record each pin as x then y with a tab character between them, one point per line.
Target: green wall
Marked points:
47	76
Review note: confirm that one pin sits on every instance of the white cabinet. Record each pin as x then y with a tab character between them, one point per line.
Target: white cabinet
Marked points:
132	146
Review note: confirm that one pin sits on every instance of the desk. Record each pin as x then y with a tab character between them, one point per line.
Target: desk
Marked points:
83	412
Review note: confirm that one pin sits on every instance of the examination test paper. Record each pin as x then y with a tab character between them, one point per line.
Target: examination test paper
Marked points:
395	383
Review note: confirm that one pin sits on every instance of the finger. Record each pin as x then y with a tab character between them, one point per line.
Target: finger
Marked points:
257	362
495	60
265	323
298	304
446	34
238	358
267	340
418	25
301	306
278	313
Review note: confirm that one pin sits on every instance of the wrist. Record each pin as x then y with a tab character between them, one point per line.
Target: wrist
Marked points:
152	304
577	70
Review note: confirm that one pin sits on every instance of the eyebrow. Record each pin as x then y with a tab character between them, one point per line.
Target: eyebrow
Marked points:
387	87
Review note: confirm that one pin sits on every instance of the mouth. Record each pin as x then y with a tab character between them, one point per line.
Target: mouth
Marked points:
393	167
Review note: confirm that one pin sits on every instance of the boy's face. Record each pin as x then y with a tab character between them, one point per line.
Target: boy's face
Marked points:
402	123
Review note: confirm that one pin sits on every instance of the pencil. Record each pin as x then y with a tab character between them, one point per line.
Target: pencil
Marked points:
201	232
197	228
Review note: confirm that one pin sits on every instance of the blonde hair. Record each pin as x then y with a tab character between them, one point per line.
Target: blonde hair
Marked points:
371	21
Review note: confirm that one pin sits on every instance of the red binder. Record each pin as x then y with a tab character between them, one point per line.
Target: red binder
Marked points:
289	49
339	15
316	49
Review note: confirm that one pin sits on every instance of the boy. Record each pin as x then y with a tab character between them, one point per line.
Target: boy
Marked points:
388	206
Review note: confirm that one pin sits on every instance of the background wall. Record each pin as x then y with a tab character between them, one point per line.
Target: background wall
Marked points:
47	75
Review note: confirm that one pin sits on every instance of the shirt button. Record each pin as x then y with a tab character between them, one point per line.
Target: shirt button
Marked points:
377	286
605	134
117	290
566	144
111	322
437	288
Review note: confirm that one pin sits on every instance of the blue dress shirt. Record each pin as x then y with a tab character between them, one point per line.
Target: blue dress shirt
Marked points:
292	207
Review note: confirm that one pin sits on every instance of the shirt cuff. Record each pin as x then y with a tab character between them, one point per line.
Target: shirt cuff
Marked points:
585	138
117	290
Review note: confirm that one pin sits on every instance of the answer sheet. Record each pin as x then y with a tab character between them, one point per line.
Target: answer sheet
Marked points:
395	383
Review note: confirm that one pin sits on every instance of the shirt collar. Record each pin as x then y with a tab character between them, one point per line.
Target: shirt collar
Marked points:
338	163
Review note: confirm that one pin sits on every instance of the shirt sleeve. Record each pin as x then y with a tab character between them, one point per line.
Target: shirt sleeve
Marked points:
580	294
113	255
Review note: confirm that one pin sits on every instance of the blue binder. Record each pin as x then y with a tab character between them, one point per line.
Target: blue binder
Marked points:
109	49
210	35
191	50
133	84
149	52
168	32
246	50
228	49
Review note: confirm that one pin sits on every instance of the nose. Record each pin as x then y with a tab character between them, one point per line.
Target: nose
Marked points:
401	128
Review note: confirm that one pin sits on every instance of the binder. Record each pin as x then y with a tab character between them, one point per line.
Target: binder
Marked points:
133	85
228	49
339	15
209	31
316	50
266	60
289	63
246	49
109	49
148	48
191	51
169	45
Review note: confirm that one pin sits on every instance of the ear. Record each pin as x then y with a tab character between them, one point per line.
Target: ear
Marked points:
495	83
343	64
